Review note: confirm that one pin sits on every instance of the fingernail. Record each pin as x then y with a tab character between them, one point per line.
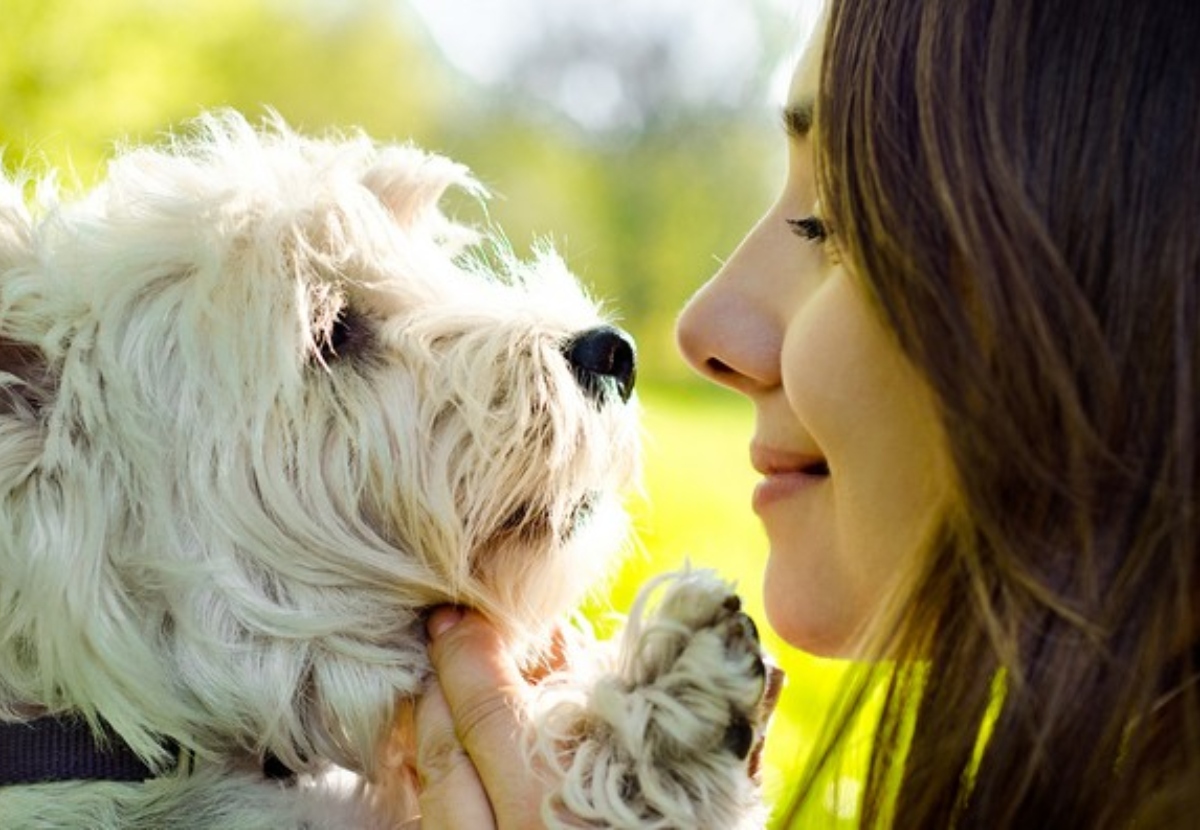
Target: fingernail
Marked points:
442	620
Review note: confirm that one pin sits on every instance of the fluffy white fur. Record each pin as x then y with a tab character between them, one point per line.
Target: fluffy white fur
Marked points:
261	405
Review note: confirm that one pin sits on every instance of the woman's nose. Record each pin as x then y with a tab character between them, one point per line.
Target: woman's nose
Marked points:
731	331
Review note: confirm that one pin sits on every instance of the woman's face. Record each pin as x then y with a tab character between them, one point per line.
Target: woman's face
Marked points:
851	454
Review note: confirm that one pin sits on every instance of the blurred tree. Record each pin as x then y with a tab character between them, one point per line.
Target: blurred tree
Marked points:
77	74
620	65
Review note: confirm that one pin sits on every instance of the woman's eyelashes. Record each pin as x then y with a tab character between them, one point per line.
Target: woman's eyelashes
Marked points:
815	230
810	228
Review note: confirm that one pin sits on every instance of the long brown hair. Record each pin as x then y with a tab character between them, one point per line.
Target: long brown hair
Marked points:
1017	183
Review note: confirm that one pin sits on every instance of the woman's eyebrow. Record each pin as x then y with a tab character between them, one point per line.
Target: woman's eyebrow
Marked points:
798	118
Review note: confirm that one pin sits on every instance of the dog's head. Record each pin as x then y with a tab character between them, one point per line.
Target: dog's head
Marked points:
262	403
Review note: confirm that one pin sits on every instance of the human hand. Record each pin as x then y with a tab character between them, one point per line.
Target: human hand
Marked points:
470	726
476	721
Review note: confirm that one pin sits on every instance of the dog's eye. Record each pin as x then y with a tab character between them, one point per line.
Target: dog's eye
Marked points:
341	337
339	334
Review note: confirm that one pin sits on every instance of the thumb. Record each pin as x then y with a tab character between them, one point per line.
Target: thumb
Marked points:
485	694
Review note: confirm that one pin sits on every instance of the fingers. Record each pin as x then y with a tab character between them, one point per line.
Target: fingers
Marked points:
483	692
452	796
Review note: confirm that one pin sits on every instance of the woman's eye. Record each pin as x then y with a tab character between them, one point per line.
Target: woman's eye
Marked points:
809	228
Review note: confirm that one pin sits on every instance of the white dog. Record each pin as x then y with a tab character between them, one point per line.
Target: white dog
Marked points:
262	405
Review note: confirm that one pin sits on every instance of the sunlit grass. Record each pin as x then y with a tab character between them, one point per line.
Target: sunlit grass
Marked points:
696	509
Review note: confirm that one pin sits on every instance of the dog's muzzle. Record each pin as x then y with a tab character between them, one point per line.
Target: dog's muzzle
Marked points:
602	359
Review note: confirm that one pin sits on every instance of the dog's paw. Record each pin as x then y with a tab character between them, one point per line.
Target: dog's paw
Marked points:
669	738
697	665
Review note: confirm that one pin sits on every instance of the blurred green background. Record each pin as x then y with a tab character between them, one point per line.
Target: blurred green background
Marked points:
639	135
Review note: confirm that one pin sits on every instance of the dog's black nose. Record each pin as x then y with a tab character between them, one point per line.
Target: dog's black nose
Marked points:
603	357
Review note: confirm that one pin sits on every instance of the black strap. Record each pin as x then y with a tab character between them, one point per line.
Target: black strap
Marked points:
65	749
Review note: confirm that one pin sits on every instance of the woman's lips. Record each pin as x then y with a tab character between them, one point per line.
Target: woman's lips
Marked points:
784	474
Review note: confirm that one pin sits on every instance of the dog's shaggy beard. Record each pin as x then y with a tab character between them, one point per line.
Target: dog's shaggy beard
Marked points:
276	474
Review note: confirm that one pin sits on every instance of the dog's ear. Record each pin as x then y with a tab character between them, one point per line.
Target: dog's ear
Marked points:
410	183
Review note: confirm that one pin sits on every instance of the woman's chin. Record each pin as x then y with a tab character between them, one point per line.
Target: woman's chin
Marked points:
803	623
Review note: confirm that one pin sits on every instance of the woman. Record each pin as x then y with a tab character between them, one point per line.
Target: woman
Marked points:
970	327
